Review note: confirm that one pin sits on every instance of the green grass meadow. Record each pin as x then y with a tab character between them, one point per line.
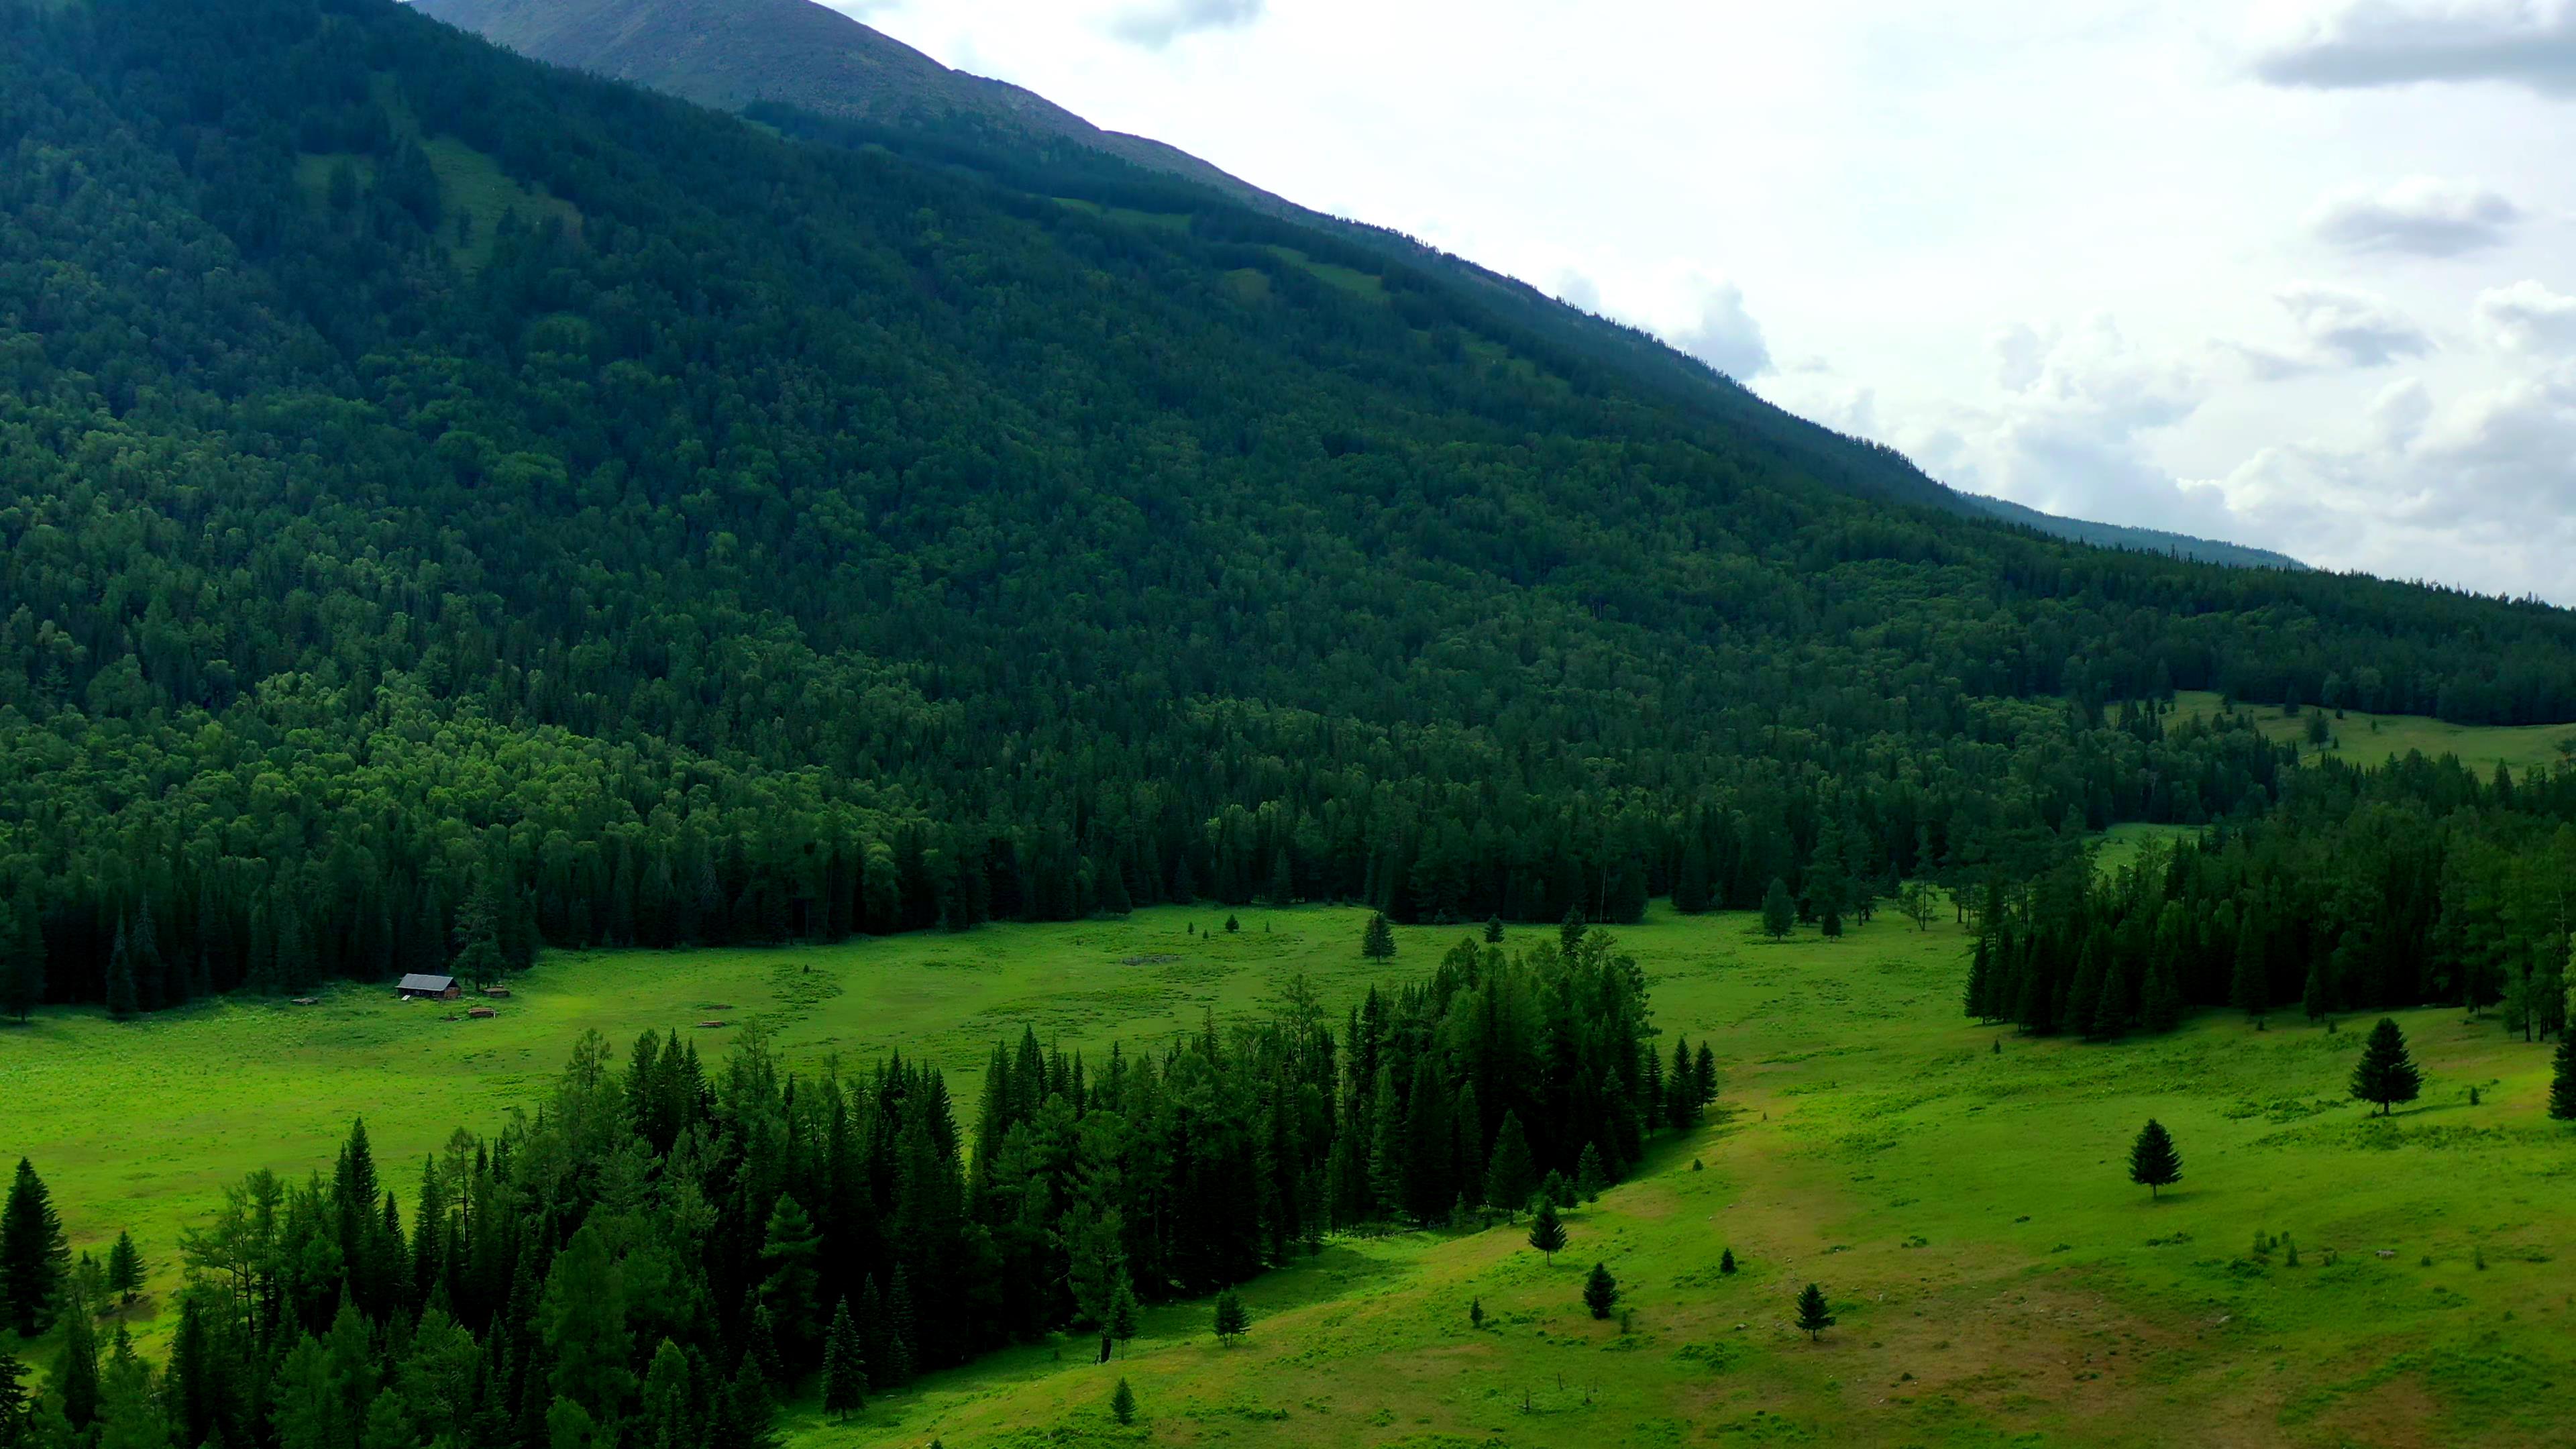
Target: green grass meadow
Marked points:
1966	1207
2362	738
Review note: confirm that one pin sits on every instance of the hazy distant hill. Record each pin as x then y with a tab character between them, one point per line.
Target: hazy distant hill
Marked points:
2141	540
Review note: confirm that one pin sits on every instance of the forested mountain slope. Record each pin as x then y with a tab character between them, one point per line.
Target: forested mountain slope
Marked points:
448	502
778	58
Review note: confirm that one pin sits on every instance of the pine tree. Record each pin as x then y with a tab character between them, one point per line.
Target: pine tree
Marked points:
16	1405
1231	924
1569	932
1232	1318
35	1258
2562	1078
1123	1316
1600	1291
1377	941
1726	1261
1122	1403
1981	979
2153	1162
1547	1232
2313	998
1510	1176
1779	911
845	1366
1704	1075
1814	1314
125	1269
1493	930
76	1368
1589	1177
1475	1313
2160	1007
2385	1073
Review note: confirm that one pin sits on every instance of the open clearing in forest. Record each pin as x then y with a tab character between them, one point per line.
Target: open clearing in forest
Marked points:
2362	738
1966	1208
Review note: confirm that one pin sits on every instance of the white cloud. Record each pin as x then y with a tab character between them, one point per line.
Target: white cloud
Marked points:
1724	335
2358	43
2527	318
1158	24
2338	328
2421	215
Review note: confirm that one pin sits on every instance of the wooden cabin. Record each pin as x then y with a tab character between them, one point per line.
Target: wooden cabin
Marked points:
417	987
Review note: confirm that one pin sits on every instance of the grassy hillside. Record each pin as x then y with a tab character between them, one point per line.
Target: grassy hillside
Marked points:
1965	1207
2362	738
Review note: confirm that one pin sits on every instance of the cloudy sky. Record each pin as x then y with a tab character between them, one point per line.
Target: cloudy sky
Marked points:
2301	276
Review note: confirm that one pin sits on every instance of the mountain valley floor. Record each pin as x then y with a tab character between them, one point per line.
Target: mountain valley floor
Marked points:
1959	1192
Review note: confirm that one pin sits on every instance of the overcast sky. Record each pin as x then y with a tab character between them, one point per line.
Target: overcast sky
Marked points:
2301	276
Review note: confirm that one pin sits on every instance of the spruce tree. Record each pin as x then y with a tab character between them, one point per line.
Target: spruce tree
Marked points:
1122	1403
1123	1315
1547	1232
845	1366
1726	1261
2386	1074
1981	979
1704	1075
1779	911
1493	930
1377	940
2160	1006
1600	1291
1814	1314
1589	1176
125	1269
2562	1078
76	1368
35	1258
2313	997
16	1405
2153	1162
1511	1176
1232	1318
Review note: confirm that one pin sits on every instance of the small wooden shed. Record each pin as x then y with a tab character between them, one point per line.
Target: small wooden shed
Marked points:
417	987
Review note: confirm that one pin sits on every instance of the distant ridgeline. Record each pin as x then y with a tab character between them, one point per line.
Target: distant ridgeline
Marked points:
449	505
728	1229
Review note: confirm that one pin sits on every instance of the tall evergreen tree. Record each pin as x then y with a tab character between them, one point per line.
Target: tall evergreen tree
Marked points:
1547	1231
1377	940
35	1258
1815	1315
122	999
2154	1164
125	1268
1122	1403
1569	932
2386	1074
2250	990
1779	910
1600	1291
845	1366
1233	1320
2562	1078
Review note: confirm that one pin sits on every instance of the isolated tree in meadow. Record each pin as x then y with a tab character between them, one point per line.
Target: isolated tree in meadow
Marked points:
1231	924
1547	1231
1918	904
2562	1079
35	1258
1511	1176
1779	910
1377	940
125	1269
1493	930
1726	1261
2386	1074
1704	1075
1232	1318
1475	1313
1600	1291
1122	1403
845	1366
1814	1314
2153	1161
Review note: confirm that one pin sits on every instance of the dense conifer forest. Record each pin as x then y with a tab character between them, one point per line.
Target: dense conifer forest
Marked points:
451	505
660	1254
